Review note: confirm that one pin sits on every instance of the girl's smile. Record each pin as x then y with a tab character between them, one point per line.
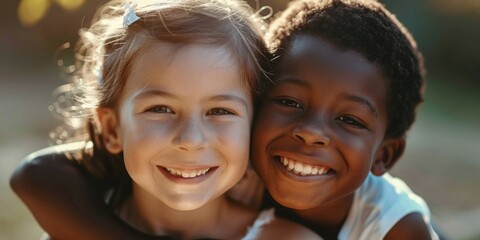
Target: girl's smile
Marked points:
187	176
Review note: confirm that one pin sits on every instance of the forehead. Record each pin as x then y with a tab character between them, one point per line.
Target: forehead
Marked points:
187	69
322	60
317	52
178	61
164	54
322	68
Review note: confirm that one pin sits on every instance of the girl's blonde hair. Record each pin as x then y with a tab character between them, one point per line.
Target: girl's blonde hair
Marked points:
107	49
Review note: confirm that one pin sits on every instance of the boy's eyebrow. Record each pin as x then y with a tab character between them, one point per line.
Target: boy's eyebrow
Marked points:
287	79
363	101
354	98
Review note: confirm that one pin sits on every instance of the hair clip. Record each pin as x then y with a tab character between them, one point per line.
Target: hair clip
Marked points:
129	16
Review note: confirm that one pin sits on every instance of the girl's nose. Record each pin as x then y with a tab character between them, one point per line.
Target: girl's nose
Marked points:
312	134
191	136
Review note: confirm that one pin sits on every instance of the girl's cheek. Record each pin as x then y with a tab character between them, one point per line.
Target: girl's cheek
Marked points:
149	129
238	132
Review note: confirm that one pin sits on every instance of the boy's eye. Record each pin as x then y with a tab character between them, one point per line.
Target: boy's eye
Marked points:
289	102
219	111
160	109
351	121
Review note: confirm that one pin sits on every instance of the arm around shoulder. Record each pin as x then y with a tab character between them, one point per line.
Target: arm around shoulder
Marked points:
64	200
411	226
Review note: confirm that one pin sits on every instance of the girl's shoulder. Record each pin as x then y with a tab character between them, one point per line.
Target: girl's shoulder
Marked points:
67	150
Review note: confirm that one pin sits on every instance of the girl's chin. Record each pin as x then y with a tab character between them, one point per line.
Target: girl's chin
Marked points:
186	206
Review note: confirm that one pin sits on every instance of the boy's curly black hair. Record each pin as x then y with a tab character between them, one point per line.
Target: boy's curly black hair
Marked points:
366	27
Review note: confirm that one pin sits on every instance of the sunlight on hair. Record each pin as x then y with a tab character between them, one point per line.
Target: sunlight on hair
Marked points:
31	11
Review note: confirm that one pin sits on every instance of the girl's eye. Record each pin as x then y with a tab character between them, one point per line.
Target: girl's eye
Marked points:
219	111
289	103
160	109
351	121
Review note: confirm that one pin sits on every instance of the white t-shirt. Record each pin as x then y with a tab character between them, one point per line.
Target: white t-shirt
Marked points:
379	203
264	218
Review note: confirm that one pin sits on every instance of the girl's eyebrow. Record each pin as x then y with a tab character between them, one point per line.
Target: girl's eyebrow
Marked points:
151	93
159	93
229	97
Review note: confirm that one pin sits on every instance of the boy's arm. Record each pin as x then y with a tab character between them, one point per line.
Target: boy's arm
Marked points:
411	226
65	202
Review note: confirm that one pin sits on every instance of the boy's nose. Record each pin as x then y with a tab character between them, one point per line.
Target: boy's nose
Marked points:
190	136
312	135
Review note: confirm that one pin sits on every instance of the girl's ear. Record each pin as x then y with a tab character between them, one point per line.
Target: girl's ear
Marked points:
110	130
388	154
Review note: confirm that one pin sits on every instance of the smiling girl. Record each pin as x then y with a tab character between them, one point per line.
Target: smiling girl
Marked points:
166	91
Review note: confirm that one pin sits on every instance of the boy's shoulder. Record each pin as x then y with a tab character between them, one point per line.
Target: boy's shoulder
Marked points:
380	204
412	226
389	192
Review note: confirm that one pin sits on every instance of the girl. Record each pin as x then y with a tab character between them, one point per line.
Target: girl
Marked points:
166	90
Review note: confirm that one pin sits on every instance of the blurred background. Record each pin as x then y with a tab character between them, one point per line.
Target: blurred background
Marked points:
442	161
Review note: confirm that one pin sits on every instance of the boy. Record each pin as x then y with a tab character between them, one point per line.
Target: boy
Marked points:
349	78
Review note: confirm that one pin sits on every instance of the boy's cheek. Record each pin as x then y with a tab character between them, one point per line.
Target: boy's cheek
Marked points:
271	115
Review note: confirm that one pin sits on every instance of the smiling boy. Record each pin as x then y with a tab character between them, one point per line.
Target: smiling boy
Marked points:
349	78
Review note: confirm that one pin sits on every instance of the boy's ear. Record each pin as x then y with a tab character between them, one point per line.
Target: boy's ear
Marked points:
110	130
388	154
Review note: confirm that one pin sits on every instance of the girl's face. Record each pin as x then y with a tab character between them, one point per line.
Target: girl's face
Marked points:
184	124
319	129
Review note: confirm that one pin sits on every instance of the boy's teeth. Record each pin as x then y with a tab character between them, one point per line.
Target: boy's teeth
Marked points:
291	165
187	174
302	168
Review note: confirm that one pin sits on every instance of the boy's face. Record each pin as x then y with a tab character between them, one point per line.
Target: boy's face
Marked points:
183	125
319	129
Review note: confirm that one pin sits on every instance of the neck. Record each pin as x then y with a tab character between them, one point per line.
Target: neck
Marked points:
326	220
148	214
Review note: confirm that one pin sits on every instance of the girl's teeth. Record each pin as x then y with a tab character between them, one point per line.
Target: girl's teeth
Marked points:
187	174
302	168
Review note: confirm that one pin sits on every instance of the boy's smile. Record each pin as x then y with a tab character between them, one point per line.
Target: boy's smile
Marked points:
299	167
319	129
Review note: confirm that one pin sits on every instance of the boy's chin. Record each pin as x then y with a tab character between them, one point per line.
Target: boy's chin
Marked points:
293	201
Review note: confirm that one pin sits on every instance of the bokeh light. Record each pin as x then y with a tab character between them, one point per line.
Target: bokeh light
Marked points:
31	11
70	4
457	6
